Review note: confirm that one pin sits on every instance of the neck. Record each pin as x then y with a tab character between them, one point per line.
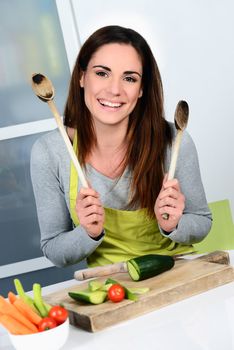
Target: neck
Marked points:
110	138
107	155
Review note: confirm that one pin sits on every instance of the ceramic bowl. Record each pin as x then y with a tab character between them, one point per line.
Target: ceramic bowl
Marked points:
52	339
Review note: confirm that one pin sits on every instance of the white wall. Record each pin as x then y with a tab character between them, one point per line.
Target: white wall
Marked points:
194	46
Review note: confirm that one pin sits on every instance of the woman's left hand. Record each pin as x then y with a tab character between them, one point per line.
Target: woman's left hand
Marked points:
171	201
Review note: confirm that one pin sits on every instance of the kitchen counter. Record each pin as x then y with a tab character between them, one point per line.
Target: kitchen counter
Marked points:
201	322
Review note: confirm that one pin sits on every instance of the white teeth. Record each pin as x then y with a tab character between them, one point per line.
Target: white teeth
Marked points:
110	104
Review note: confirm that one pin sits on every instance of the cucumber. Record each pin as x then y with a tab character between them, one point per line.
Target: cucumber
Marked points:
147	266
139	290
96	297
95	285
106	287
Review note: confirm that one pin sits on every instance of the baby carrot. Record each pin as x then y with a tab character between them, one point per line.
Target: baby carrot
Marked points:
12	297
27	311
9	309
13	326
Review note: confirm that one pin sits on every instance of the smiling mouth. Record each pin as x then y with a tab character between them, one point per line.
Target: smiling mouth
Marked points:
115	105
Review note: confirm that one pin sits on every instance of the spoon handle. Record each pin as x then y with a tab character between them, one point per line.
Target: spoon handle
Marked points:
65	137
174	156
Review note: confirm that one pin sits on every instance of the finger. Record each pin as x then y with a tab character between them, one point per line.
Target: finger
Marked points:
174	212
94	218
168	201
84	192
93	209
174	183
94	229
169	192
88	201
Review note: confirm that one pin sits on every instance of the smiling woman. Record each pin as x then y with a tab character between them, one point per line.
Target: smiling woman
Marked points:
114	117
112	91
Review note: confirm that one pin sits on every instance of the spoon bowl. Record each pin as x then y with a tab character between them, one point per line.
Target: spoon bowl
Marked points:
181	115
42	87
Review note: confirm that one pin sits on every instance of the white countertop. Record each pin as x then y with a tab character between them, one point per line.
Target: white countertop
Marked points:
201	322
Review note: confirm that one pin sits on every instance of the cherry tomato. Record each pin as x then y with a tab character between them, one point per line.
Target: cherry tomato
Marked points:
46	323
58	313
116	293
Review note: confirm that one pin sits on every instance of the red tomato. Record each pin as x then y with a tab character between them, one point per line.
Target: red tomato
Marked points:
58	313
116	293
46	323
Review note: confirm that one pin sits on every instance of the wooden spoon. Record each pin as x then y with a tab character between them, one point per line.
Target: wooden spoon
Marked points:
44	89
181	121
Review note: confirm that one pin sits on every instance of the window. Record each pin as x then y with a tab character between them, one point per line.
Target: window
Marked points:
31	41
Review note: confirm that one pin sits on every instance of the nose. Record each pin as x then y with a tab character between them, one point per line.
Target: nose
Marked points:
114	86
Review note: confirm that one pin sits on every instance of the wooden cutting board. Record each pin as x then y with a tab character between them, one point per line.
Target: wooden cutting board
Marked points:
186	278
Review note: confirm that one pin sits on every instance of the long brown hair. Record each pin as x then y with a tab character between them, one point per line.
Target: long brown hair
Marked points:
148	132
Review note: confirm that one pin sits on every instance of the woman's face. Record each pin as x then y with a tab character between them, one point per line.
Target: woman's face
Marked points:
112	83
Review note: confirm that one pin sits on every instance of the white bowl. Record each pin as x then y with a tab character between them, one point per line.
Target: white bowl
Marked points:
52	339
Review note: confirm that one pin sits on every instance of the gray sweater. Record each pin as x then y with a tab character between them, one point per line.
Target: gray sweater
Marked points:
64	244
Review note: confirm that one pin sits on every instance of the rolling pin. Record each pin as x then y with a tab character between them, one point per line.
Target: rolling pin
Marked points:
218	257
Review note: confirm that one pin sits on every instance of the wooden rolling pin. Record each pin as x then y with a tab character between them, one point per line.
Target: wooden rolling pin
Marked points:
219	257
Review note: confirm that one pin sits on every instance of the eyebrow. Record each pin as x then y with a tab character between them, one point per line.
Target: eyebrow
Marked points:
109	70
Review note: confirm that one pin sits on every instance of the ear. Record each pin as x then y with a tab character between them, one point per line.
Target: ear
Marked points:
140	93
82	80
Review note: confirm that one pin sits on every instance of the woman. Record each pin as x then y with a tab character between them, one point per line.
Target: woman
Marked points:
114	118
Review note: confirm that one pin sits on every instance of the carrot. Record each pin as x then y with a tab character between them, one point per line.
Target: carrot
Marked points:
12	297
13	326
9	309
26	310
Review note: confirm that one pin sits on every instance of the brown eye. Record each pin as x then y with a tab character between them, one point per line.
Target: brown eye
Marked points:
130	79
101	74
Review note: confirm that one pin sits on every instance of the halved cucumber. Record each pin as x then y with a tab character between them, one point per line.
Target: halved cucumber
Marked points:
133	270
139	290
106	287
95	285
147	266
97	297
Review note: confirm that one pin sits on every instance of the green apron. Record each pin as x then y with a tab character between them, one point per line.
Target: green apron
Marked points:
127	233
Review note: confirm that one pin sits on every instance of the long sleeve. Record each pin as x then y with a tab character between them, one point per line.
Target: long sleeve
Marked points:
60	241
64	244
196	221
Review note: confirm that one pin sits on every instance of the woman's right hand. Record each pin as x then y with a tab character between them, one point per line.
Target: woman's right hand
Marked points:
90	211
